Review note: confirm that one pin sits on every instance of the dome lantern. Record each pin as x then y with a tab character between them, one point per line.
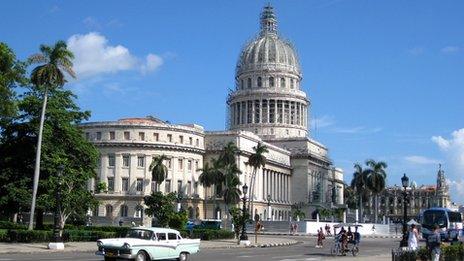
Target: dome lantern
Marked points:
268	21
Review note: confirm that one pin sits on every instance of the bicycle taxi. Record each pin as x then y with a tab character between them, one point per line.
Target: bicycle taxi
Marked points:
351	240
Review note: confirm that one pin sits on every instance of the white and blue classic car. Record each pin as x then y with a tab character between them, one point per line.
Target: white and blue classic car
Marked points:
144	243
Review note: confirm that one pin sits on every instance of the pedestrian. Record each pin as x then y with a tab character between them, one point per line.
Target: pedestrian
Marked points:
434	243
356	236
373	229
327	230
295	230
413	237
291	228
320	238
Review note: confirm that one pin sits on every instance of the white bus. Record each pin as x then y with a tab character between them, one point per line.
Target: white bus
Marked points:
449	221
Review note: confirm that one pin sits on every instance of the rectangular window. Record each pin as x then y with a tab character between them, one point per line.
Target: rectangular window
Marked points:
169	137
181	139
197	143
264	111
167	186
140	161
189	165
99	135
272	111
155	136
169	164
190	140
127	135
111	160
257	111
195	188
189	188
196	165
111	184
172	236
125	184
141	135
112	135
87	136
139	184
181	164
250	112
154	186
125	160
179	186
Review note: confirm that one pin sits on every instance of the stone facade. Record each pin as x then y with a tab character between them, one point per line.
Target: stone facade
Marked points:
268	106
420	198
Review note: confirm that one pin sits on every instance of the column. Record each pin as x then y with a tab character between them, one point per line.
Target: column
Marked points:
246	112
253	109
117	172
274	186
104	168
267	105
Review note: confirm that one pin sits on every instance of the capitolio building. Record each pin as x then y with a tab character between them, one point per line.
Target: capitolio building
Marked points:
268	105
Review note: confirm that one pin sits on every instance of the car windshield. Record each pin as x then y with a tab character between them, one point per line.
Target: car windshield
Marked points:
140	233
434	217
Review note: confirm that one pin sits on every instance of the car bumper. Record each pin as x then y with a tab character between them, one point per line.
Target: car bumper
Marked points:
118	255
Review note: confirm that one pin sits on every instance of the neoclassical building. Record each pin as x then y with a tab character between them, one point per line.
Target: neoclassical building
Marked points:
420	198
268	106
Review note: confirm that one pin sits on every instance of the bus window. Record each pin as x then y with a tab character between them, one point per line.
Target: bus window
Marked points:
432	217
454	217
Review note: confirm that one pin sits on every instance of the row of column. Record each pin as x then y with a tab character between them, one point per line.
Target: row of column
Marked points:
268	111
277	185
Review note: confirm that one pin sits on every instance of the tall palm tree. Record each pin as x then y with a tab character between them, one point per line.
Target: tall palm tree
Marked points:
376	181
359	184
256	160
229	153
54	62
207	178
231	192
159	171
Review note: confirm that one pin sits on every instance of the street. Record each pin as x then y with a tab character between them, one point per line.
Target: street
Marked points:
304	251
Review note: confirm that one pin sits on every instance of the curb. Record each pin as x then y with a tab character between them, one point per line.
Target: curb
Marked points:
275	244
311	235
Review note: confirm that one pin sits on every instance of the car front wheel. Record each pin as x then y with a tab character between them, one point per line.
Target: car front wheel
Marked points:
141	256
184	256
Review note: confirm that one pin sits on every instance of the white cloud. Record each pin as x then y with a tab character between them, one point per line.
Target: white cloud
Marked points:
453	149
450	49
416	50
421	160
94	56
322	122
152	63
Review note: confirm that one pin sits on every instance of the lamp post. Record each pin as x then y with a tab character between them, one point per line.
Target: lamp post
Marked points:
243	236
405	183
269	207
57	240
179	200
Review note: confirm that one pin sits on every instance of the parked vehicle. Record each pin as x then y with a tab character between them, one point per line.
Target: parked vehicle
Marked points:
449	221
143	243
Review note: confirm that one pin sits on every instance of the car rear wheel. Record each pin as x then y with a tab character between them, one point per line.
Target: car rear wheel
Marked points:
141	256
184	256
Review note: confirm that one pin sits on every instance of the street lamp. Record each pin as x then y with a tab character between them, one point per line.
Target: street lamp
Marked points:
243	236
179	200
57	240
269	207
405	183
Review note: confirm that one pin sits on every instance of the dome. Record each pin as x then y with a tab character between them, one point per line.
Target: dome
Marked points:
268	50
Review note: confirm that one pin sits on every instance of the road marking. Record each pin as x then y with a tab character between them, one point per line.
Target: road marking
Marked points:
277	257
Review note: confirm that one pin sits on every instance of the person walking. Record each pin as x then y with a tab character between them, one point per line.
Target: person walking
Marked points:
413	237
434	243
320	238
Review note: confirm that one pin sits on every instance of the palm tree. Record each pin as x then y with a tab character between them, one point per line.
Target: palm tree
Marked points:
376	181
229	154
159	171
256	160
54	62
231	192
359	184
207	178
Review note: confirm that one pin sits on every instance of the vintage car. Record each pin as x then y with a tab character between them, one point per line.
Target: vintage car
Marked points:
148	243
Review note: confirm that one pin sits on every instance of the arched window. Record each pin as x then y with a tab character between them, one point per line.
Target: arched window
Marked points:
138	211
197	213
292	83
271	82
249	83
124	211
282	82
260	82
190	213
109	210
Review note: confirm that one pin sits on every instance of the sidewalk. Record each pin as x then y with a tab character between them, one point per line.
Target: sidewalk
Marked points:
263	241
314	235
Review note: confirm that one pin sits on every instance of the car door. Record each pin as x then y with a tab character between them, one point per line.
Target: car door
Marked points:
173	242
162	247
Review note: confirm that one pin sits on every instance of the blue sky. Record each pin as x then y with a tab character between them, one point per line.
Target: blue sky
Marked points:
385	77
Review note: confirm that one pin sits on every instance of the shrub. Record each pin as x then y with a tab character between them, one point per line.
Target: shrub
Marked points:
208	234
178	220
11	225
3	235
86	235
120	231
453	252
423	254
28	236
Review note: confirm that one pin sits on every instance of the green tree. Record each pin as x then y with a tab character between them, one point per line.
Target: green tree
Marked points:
359	185
12	75
350	197
297	213
256	160
376	182
159	171
160	207
229	154
207	179
54	62
238	219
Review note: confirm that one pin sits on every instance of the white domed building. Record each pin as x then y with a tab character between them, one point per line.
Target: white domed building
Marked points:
268	106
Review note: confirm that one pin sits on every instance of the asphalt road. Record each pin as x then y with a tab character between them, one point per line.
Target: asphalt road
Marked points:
304	251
